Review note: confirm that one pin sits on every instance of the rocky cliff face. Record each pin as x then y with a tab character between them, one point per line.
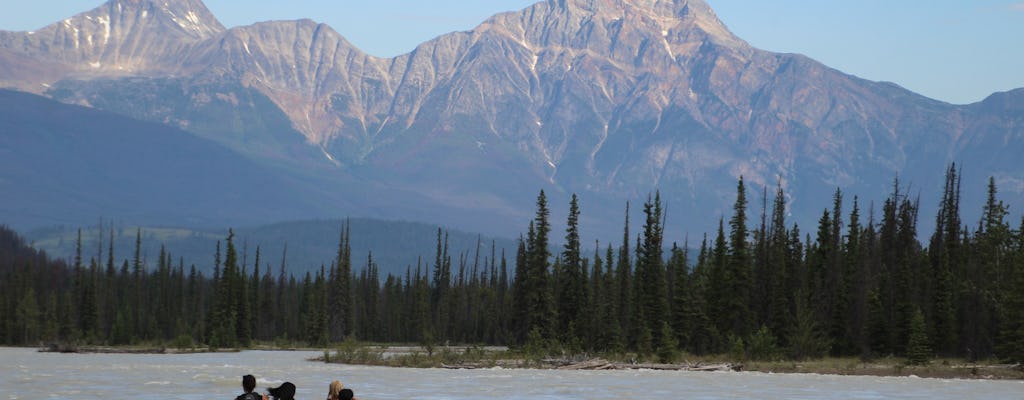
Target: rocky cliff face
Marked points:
607	98
120	38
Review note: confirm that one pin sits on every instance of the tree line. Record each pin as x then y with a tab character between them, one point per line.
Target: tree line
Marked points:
861	285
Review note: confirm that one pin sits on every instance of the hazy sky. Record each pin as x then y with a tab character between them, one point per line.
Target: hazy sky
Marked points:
953	50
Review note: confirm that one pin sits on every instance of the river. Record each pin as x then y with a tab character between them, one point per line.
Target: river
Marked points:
28	374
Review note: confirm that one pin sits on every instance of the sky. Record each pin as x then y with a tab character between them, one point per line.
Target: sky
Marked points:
958	51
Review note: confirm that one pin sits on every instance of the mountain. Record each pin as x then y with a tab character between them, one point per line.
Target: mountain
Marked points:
120	38
62	162
610	99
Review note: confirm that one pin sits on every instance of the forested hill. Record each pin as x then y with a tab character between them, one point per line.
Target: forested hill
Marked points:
395	245
758	288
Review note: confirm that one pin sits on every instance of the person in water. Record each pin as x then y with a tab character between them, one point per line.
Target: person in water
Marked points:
248	385
334	390
346	394
284	392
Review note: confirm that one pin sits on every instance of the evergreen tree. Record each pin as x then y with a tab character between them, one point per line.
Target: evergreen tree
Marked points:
652	294
521	293
945	252
680	322
857	271
572	293
1011	337
225	321
441	298
609	329
918	350
779	291
807	339
738	318
624	277
243	308
668	347
27	321
700	333
719	283
540	304
339	291
986	278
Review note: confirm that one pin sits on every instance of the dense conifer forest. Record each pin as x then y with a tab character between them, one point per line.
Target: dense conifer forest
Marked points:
863	284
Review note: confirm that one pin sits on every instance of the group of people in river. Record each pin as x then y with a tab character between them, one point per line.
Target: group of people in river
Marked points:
286	391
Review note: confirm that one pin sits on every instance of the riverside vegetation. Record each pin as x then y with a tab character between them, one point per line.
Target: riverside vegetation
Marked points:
861	290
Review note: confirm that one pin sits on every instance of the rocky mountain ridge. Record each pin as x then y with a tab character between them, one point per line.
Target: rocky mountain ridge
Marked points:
607	98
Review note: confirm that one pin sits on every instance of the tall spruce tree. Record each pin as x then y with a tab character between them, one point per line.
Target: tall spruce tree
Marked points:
779	293
541	307
944	251
572	289
738	274
624	276
339	291
652	293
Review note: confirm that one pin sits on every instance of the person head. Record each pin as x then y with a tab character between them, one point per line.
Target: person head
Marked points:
248	383
284	392
346	394
334	390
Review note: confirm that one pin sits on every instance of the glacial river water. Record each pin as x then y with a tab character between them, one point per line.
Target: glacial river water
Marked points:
27	374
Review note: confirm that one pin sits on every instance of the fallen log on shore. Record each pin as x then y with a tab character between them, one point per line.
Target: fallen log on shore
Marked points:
600	364
64	348
595	364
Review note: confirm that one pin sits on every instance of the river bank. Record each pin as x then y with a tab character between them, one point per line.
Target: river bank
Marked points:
475	357
485	357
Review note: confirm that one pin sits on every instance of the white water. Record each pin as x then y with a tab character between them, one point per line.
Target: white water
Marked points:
27	374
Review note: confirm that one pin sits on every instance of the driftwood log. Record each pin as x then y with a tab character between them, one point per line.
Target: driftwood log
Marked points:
599	364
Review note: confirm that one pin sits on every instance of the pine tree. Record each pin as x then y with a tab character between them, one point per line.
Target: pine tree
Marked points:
699	334
339	290
856	264
521	292
652	293
1011	337
27	318
608	328
243	308
738	280
778	296
944	252
680	323
807	339
668	347
441	297
225	321
838	279
572	293
918	350
541	307
624	277
719	284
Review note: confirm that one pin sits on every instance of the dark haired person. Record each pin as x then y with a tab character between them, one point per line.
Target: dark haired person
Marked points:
284	392
248	385
346	394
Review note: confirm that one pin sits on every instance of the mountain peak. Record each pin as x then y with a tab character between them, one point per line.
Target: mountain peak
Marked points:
190	17
566	22
119	36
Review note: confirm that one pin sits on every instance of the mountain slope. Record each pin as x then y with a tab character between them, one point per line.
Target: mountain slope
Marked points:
610	99
69	164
